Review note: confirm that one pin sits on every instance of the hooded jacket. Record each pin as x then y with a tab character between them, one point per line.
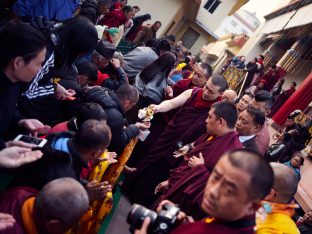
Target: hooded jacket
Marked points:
115	117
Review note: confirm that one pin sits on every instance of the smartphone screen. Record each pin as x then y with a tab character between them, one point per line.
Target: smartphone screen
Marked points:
31	140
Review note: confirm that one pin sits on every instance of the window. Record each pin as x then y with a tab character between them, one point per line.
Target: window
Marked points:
212	5
189	38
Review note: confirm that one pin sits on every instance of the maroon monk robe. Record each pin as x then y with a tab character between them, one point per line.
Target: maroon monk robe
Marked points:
181	86
186	184
187	125
11	202
158	125
242	226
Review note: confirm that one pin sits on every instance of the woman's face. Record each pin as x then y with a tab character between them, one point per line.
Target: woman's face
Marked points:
25	72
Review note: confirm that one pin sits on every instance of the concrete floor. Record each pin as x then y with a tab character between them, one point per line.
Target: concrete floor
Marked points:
118	223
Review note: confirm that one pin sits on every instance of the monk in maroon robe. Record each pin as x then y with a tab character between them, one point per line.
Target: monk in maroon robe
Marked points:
198	79
187	182
282	98
46	211
233	193
187	125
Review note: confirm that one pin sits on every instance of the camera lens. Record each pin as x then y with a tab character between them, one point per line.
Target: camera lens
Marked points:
138	213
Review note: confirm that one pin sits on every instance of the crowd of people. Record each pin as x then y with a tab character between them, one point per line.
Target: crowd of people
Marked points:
206	149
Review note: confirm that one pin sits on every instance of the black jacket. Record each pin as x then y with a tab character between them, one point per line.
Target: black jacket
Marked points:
251	145
53	165
117	78
115	117
47	108
9	93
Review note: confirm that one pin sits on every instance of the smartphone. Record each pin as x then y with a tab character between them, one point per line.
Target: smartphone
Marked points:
31	140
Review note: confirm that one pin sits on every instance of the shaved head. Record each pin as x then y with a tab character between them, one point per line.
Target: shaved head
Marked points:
63	199
229	95
260	171
285	183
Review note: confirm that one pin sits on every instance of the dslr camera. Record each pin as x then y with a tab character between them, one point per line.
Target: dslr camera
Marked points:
160	223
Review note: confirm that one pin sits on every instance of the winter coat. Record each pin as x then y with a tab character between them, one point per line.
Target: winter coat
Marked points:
115	117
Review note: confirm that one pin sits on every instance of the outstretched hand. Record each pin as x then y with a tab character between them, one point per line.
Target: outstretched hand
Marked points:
6	221
181	152
15	156
98	191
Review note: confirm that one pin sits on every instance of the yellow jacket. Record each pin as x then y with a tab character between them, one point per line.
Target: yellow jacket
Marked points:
276	223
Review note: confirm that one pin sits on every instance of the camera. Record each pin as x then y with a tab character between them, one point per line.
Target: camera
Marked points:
162	222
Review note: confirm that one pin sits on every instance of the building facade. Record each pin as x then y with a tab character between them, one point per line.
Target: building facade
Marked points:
191	21
241	22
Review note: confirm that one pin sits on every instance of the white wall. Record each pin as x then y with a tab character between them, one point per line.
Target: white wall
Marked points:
227	27
251	48
200	42
162	10
212	21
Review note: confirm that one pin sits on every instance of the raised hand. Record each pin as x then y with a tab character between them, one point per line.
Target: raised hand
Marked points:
195	161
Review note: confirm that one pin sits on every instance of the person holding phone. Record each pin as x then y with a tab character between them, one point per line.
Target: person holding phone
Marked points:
22	52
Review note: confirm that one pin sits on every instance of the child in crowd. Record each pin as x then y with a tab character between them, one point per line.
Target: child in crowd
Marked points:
295	163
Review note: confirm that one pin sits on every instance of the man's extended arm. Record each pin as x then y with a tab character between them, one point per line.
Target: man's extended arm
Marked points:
173	103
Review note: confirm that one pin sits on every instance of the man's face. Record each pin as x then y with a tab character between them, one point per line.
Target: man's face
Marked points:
245	125
212	123
229	96
210	91
226	192
127	105
26	72
156	27
289	123
243	103
199	77
261	106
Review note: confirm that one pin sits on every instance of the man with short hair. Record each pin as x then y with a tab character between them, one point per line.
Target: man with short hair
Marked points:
237	184
243	102
187	125
201	73
187	181
249	122
85	111
116	105
55	209
263	101
278	209
147	33
66	155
